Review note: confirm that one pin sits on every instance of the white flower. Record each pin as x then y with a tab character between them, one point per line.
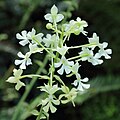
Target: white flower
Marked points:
49	103
103	52
26	37
87	54
68	95
51	99
54	16
62	50
70	26
75	68
48	89
16	79
25	60
34	48
50	40
23	37
95	60
80	83
94	41
80	26
75	27
66	65
32	35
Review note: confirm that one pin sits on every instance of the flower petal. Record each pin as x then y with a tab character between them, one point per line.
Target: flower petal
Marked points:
48	17
85	86
57	64
61	70
59	17
17	73
20	55
67	69
54	10
18	62
52	108
19	85
85	79
11	80
24	42
18	36
22	66
28	62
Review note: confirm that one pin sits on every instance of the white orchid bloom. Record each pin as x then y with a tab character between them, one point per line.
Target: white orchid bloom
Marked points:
65	65
23	37
80	83
32	35
88	55
54	16
16	79
25	60
103	52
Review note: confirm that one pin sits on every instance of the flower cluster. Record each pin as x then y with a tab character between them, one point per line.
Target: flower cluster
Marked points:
55	46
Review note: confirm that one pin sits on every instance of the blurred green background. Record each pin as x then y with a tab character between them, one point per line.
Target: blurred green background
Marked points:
101	101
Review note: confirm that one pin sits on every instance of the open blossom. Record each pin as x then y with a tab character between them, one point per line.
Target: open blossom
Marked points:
68	94
50	40
23	37
34	48
32	35
26	37
16	79
65	65
80	83
81	24
51	100
54	16
103	52
94	41
75	27
25	60
88	55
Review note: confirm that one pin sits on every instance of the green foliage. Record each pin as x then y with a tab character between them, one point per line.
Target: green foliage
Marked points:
103	107
100	85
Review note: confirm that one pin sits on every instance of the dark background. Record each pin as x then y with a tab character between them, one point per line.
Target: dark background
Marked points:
101	102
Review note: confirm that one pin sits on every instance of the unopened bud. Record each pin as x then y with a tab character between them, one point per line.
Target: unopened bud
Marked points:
49	26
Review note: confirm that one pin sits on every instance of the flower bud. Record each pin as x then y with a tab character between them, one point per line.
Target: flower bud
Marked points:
49	26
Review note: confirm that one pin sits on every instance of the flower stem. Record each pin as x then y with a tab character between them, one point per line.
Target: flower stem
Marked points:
40	113
28	89
72	58
43	47
86	45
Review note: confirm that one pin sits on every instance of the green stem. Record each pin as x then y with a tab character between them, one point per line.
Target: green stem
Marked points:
28	89
43	47
32	75
72	58
40	113
86	45
51	75
79	56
